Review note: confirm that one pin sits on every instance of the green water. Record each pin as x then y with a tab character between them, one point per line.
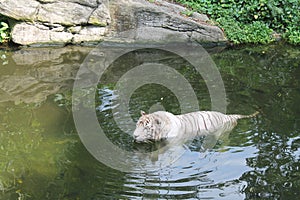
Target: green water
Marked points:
42	157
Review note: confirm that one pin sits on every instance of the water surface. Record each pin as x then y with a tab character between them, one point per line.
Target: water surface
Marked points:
42	157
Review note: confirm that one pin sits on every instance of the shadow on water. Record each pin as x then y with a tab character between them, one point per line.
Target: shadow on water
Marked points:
41	156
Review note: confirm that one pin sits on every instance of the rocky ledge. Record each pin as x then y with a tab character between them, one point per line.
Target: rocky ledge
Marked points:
60	22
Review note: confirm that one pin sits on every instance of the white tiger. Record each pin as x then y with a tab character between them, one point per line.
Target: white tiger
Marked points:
164	125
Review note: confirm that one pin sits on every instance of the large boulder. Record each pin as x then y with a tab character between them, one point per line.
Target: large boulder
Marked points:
161	21
77	21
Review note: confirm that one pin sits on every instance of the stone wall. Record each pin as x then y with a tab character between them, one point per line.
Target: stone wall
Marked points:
53	22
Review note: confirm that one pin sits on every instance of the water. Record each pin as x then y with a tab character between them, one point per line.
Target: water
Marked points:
42	157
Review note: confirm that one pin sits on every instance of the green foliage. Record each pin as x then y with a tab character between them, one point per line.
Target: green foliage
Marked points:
292	35
280	16
4	29
256	32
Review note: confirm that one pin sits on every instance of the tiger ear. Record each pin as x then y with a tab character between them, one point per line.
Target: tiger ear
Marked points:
143	113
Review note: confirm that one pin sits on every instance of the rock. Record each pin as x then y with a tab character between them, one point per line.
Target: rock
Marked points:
161	23
100	16
200	17
63	22
43	35
39	34
64	13
149	34
209	33
74	29
90	3
23	10
89	34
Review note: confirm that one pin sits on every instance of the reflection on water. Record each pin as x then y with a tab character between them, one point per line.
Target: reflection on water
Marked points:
41	156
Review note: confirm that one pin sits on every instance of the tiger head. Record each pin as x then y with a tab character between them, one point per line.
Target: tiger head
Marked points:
148	128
